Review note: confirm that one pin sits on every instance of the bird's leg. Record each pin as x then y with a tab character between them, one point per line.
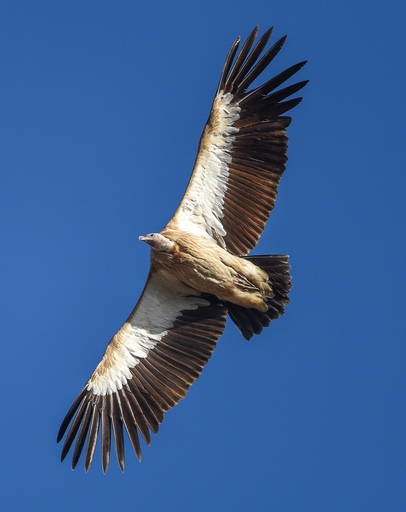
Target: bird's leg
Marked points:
243	283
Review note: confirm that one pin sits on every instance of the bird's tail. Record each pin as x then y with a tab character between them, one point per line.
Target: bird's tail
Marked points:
252	321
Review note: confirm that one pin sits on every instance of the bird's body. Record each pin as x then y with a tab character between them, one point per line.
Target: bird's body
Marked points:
200	270
203	265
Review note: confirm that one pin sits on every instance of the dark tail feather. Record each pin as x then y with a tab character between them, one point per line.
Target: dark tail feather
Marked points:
252	321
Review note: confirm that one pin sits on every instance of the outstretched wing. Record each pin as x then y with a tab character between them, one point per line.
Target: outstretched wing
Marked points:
242	152
146	369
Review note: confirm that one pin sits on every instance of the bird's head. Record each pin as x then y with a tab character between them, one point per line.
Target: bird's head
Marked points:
158	242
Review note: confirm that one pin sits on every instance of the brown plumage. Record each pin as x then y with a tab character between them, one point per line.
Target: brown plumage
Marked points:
203	265
200	271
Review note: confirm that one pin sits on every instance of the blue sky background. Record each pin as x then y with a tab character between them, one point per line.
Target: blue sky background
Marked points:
101	108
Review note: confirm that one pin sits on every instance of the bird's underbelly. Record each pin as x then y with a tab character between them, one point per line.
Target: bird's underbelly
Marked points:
218	276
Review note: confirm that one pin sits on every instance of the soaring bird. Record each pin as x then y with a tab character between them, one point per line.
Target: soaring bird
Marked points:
199	271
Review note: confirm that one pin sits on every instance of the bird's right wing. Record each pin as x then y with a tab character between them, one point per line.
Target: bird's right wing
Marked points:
146	369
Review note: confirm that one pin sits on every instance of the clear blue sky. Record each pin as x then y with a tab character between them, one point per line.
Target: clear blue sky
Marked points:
101	108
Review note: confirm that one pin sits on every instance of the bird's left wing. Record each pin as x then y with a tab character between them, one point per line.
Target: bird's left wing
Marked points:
146	369
242	151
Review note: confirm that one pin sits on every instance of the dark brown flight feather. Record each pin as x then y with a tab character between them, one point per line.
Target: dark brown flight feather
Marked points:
260	145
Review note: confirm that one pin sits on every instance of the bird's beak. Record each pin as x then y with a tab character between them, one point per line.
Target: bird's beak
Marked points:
147	239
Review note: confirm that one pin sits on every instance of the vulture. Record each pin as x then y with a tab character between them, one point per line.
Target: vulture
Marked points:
200	270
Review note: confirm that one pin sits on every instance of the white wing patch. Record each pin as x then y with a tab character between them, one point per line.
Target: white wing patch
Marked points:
201	209
160	304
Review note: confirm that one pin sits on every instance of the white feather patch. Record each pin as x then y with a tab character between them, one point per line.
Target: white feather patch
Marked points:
160	304
201	209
